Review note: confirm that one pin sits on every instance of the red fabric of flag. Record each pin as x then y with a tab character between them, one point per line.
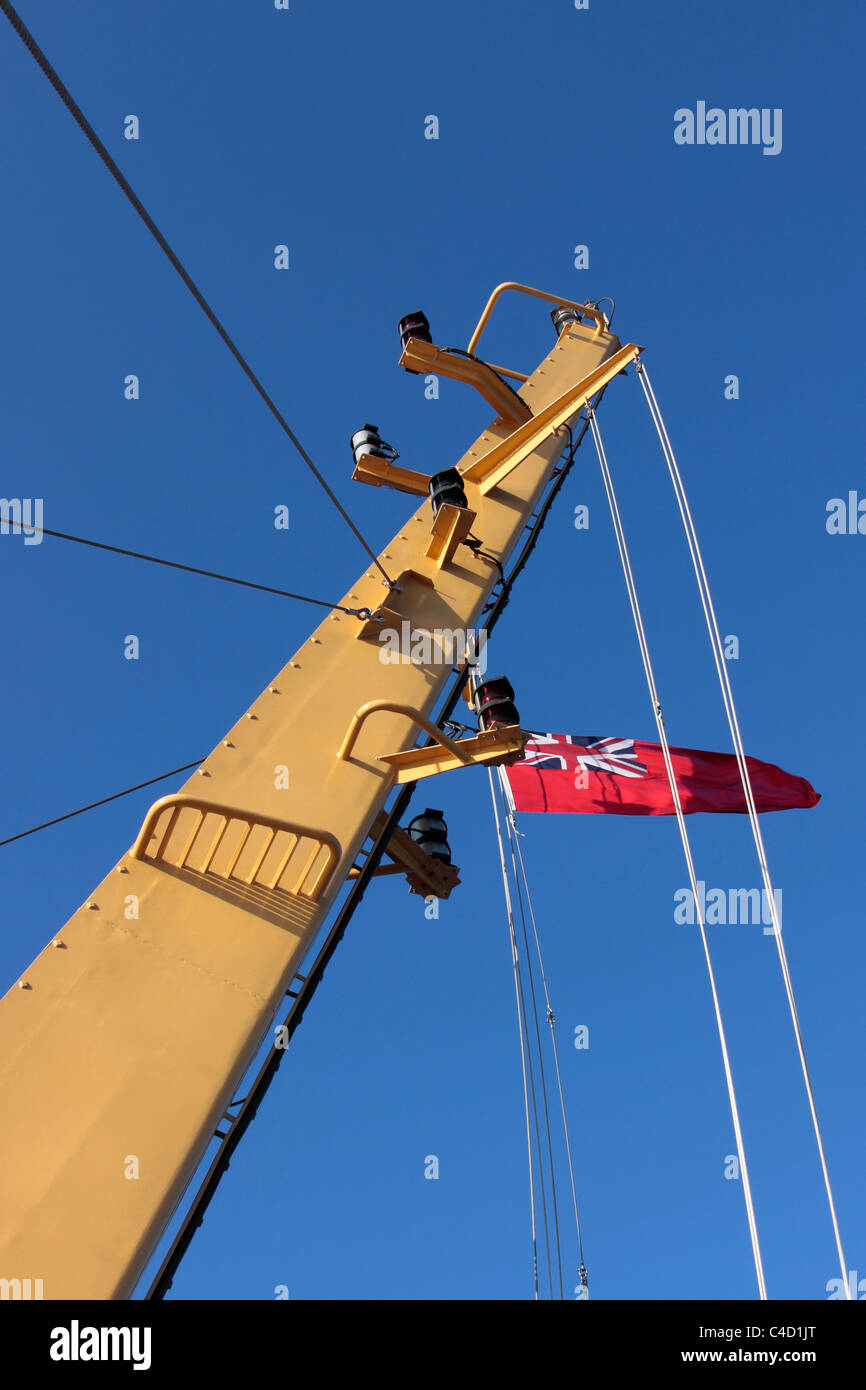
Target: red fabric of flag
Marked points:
571	773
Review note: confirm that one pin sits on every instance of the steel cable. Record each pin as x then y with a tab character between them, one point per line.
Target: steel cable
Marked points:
81	120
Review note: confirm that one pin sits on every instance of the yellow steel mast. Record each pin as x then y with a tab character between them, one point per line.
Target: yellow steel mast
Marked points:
123	1043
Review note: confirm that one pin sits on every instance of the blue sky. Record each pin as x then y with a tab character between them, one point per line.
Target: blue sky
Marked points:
306	127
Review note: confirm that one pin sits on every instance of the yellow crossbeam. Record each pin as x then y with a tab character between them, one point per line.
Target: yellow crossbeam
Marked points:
419	356
491	747
494	466
381	473
451	526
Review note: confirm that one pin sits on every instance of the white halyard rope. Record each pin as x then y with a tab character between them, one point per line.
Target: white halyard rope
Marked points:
736	736
514	840
684	836
521	1022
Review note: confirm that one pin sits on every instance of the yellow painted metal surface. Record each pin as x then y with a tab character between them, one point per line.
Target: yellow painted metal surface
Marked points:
130	1032
419	356
450	527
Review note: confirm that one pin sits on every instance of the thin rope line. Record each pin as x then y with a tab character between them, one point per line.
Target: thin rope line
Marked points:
514	963
190	569
81	120
506	791
542	1078
745	777
684	836
534	1098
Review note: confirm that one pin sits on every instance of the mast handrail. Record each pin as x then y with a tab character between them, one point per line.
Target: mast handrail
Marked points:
377	706
588	309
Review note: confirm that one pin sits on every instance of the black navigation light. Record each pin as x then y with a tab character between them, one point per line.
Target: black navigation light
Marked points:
563	318
430	833
447	489
414	326
368	441
494	703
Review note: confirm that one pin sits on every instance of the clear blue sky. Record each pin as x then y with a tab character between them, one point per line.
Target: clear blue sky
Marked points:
306	127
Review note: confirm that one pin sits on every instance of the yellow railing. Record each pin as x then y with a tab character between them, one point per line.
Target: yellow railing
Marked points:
589	310
377	706
306	884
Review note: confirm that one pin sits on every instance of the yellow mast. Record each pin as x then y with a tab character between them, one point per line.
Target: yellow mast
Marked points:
123	1043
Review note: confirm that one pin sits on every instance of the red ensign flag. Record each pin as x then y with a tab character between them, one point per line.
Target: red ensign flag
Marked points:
565	772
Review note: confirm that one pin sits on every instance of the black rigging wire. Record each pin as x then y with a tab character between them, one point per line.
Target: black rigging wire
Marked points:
193	569
81	120
93	804
475	545
498	605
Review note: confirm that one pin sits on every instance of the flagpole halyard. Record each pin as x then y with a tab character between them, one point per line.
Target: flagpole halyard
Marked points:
739	749
684	836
